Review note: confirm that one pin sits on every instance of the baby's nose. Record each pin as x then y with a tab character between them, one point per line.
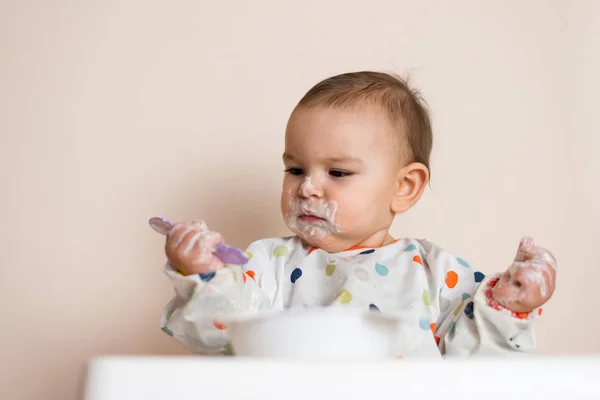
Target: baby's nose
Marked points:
311	188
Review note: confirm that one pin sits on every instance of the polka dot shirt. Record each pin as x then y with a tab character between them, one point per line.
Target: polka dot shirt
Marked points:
441	300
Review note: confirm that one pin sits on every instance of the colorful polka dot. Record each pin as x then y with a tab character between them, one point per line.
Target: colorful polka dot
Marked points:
370	251
512	340
244	277
330	269
373	307
251	274
167	331
479	276
539	311
286	238
424	323
417	259
437	340
248	255
227	350
432	327
219	325
465	296
451	279
451	327
426	298
469	310
458	308
344	296
296	274
207	277
361	274
462	262
280	251
410	247
381	269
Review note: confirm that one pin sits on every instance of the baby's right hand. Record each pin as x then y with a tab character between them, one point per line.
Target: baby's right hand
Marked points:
190	248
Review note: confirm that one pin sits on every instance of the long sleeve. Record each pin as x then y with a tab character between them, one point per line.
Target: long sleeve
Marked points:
192	316
470	322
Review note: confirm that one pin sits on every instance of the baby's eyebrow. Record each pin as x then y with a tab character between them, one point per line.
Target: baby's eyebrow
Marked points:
288	157
345	160
331	160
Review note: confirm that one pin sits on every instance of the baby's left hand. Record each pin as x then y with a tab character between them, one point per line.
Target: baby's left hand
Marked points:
530	280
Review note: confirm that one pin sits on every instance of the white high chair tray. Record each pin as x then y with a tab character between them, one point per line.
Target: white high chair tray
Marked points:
187	378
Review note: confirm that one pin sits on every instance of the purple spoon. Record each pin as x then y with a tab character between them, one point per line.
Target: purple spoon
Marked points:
227	254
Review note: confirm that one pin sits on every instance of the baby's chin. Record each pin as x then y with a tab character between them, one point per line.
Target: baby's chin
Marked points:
321	239
319	233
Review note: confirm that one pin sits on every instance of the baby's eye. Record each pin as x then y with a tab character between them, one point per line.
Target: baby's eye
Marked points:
294	171
338	173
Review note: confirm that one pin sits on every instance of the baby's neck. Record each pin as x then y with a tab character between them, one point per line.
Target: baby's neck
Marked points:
377	239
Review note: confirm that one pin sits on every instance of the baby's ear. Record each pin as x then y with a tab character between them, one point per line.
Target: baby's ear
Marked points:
411	181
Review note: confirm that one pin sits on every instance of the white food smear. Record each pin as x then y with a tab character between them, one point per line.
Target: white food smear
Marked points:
182	236
309	205
307	189
533	272
321	209
192	243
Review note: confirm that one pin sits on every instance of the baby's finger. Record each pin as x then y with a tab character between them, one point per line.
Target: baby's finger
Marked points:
187	241
212	238
548	273
200	225
177	227
549	277
176	235
547	257
536	284
524	250
536	294
191	242
516	266
206	246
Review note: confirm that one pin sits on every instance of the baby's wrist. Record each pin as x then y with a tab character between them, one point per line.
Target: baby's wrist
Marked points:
182	270
201	270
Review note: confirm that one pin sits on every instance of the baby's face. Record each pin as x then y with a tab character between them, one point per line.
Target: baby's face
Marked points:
341	169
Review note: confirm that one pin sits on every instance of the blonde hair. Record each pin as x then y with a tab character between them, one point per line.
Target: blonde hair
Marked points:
404	106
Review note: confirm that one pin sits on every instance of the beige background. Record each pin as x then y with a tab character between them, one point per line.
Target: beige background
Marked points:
112	112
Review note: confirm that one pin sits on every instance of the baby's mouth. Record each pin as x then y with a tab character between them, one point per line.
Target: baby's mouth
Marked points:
310	217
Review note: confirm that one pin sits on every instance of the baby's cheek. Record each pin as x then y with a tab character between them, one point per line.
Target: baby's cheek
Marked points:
286	199
350	214
285	206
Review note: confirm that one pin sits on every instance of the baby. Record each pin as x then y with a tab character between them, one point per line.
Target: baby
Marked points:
357	150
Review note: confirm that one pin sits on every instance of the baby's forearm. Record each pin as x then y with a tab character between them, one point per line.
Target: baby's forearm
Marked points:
192	317
482	327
